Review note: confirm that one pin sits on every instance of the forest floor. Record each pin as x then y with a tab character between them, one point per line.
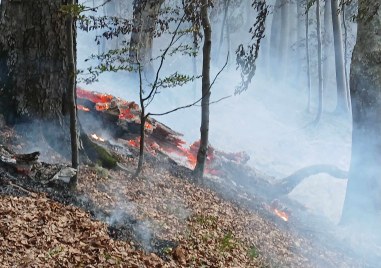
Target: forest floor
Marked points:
162	219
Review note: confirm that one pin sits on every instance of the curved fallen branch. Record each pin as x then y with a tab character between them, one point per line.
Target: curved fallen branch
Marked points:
286	185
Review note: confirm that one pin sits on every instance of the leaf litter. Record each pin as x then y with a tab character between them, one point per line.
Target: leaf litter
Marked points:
162	219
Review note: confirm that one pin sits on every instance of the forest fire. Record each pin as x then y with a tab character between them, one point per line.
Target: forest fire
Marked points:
125	116
281	214
83	108
97	138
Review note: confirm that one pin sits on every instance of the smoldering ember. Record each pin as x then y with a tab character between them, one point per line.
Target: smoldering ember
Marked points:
209	133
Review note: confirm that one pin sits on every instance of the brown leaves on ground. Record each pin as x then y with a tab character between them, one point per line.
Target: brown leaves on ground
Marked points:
36	232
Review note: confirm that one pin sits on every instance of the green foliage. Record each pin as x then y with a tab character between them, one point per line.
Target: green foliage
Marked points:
227	242
253	252
206	220
102	172
74	10
310	3
175	80
55	251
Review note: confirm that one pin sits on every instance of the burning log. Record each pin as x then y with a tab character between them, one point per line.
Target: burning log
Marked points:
122	118
97	153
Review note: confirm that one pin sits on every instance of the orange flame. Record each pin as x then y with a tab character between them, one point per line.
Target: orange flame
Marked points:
102	106
135	142
83	108
96	137
281	214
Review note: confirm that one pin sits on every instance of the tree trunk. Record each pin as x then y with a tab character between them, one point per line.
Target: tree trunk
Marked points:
142	123
202	151
284	44
72	93
223	26
342	103
320	73
363	200
346	55
327	38
299	41
275	39
34	66
146	13
308	62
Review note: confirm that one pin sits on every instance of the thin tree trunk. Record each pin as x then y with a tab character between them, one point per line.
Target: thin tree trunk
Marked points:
308	62
72	94
320	72
346	55
275	39
146	13
284	45
299	41
204	141
342	103
142	124
223	26
327	38
194	61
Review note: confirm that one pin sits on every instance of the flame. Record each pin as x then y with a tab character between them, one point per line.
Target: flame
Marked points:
96	137
281	214
83	108
93	96
135	142
148	126
102	106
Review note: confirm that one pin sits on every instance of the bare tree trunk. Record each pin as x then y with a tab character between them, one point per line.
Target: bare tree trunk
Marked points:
342	103
146	13
327	38
223	26
284	45
142	123
72	93
320	73
346	55
299	41
194	62
275	39
308	62
362	204
204	141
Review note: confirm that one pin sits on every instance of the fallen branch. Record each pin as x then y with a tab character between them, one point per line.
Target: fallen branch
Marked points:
286	185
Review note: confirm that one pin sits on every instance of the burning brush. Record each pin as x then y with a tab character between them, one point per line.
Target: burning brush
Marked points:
279	210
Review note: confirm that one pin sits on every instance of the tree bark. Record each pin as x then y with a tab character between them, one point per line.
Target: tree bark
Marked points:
299	41
320	72
146	13
327	43
275	39
284	44
342	103
362	204
34	66
34	52
308	62
206	53
72	93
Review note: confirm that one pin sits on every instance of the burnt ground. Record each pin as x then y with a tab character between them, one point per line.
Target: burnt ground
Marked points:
161	219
